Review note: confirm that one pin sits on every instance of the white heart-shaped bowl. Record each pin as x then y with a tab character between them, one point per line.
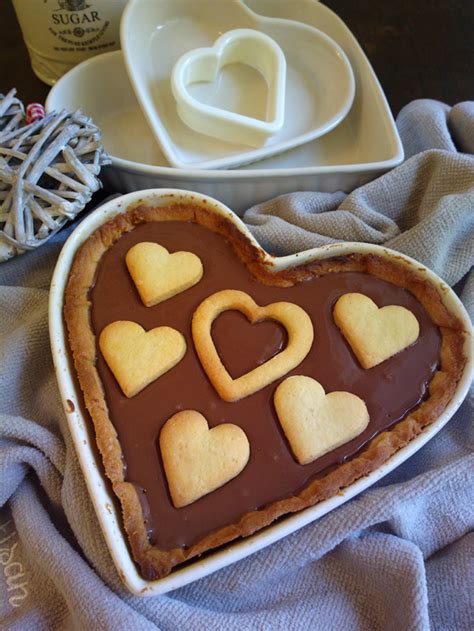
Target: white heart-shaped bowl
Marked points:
79	422
320	85
364	145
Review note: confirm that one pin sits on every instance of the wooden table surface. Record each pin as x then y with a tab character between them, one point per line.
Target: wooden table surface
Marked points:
422	49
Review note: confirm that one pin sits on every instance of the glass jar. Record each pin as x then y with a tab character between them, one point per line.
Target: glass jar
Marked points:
61	33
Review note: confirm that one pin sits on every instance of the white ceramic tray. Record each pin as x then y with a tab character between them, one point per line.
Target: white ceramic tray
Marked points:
364	145
80	424
154	35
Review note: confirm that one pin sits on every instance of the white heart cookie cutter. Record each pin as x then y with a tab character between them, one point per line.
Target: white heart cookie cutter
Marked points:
246	46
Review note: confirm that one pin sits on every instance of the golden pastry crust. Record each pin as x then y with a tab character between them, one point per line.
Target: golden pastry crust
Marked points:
156	563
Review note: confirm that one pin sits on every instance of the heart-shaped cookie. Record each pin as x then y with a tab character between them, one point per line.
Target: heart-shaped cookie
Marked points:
374	334
137	357
198	460
159	275
295	320
315	422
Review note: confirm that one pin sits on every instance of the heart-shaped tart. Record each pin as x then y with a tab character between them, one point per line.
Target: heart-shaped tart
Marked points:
300	430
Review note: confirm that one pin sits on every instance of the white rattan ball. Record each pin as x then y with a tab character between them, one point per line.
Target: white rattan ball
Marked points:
48	173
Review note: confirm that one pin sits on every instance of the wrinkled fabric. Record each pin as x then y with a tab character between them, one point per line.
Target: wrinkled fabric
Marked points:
399	556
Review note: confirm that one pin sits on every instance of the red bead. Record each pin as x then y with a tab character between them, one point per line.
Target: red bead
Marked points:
34	112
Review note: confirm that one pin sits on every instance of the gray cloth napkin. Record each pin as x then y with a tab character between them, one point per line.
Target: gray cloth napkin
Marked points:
400	556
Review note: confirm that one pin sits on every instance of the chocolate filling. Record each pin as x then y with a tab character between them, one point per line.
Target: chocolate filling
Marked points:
390	390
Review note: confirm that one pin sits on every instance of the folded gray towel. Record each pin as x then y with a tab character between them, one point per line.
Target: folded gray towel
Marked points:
400	556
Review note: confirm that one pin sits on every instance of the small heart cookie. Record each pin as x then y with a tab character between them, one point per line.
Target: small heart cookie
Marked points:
137	357
374	334
159	275
315	422
197	460
295	320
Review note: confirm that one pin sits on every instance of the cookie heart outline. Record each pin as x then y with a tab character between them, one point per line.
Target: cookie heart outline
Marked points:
198	460
314	422
247	46
137	357
295	320
374	334
158	274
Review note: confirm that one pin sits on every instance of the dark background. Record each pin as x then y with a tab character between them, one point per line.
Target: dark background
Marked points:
418	48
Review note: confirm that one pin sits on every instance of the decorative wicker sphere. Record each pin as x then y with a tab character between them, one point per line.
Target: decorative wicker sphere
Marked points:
48	173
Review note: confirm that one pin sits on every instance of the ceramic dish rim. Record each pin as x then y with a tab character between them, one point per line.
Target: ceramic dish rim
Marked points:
104	502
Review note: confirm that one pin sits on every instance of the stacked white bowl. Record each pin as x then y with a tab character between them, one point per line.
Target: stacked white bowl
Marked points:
338	132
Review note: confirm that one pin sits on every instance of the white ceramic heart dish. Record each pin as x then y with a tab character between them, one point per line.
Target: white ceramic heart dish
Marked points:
245	46
80	425
320	85
363	145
